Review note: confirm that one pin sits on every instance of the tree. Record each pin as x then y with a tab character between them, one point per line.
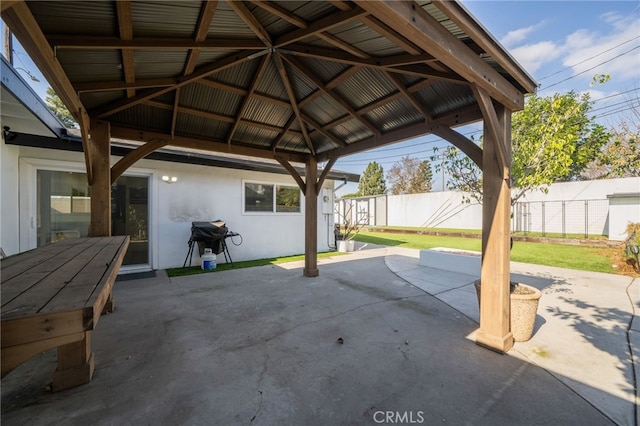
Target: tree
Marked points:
410	176
372	180
54	103
553	139
620	157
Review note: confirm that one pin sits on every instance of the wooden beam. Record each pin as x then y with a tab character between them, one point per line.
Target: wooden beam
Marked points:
207	12
395	65
324	132
292	171
340	44
252	22
494	332
284	131
174	111
311	219
392	35
100	189
211	145
417	25
473	29
320	85
422	110
125	28
92	42
492	127
207	70
324	174
245	102
7	4
281	13
456	118
292	100
464	144
321	25
131	157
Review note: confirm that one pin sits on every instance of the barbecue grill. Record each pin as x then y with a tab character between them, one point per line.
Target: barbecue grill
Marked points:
210	235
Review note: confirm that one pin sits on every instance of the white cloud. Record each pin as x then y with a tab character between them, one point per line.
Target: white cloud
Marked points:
534	56
616	53
516	36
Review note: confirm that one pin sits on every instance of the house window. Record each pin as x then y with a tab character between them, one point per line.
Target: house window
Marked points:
271	198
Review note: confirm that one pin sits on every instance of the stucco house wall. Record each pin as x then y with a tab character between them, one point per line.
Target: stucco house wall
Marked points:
201	193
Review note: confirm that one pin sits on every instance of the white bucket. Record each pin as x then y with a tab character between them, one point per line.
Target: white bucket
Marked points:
208	260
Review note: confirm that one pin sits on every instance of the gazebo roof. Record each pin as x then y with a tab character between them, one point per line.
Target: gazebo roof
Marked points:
271	79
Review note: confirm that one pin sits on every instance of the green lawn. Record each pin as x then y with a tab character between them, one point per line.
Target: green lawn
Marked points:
564	256
192	270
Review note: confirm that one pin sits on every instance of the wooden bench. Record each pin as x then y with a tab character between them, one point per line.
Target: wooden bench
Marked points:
52	297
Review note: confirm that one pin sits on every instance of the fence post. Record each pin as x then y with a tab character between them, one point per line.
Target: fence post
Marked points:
564	233
586	218
543	218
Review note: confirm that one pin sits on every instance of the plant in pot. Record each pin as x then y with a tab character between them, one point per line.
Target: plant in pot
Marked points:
347	229
524	307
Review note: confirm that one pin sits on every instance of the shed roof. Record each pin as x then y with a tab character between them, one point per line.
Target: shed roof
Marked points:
270	79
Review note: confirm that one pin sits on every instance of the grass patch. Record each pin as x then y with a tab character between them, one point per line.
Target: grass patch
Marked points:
479	232
564	256
194	270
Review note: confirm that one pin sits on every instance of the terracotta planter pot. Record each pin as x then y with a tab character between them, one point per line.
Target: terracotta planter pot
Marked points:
524	308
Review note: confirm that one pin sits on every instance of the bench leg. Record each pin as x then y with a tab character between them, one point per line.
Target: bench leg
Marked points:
75	364
109	306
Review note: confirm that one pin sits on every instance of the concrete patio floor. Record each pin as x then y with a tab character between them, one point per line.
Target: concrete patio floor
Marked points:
376	338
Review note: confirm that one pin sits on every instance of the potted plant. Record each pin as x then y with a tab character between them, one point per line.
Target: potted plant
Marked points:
346	229
524	307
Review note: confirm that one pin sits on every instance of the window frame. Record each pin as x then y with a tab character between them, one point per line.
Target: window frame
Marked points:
273	211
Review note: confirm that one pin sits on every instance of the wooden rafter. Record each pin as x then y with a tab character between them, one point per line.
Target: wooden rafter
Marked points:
320	85
330	84
292	99
473	151
292	171
492	126
131	157
323	175
285	129
174	112
64	42
245	102
321	25
410	131
433	38
320	129
281	13
125	28
212	145
408	95
205	71
202	28
419	70
245	14
392	35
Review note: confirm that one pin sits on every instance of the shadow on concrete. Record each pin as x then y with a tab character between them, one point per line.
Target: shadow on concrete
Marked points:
267	346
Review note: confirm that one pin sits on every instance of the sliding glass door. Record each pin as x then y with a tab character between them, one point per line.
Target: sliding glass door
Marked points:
64	210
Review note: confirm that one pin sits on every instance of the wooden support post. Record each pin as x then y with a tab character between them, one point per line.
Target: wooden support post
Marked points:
100	187
311	219
109	305
75	364
494	332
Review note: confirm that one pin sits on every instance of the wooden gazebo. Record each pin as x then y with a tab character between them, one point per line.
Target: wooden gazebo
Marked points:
295	81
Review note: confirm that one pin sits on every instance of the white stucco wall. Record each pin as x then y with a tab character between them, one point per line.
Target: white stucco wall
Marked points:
433	210
623	209
201	193
9	211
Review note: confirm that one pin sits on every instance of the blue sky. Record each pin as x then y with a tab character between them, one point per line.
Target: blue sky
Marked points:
562	45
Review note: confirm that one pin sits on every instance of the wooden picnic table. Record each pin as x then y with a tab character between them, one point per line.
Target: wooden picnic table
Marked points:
52	297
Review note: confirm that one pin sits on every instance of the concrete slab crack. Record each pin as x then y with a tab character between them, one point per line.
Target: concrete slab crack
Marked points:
260	390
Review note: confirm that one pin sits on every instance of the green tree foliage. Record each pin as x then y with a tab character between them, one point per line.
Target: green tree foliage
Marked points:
410	176
553	139
372	180
54	103
620	157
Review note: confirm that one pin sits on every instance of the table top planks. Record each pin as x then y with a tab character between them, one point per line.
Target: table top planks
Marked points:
73	274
